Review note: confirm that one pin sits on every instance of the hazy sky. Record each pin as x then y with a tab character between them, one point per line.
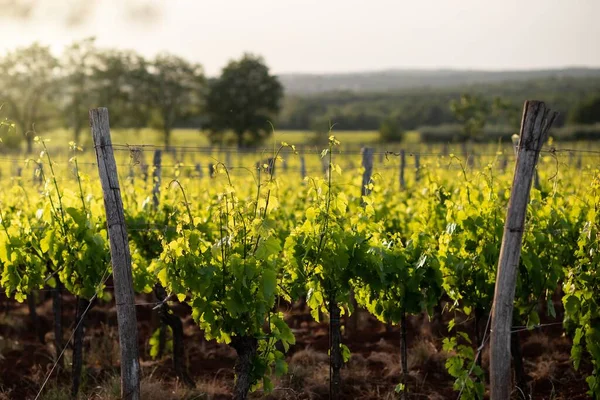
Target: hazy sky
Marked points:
332	35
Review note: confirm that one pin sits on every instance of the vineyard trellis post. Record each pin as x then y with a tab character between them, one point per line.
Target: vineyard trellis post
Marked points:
536	122
402	167
120	255
228	164
367	163
417	167
156	177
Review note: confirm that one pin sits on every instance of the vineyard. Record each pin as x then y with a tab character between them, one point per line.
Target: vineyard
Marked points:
279	260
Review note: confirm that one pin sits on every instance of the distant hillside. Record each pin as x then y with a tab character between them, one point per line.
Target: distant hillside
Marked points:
392	80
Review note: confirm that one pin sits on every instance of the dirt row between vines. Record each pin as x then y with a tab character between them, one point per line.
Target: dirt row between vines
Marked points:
372	372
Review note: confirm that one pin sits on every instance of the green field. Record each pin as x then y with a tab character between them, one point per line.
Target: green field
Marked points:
192	137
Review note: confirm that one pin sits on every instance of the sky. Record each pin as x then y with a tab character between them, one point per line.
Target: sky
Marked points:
319	36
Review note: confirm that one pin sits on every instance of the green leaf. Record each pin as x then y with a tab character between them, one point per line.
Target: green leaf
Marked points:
571	305
285	333
268	247
281	367
345	353
269	283
267	384
162	277
341	202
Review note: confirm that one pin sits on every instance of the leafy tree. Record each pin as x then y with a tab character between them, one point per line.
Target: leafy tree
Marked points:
586	112
28	77
244	99
390	131
121	83
506	112
472	111
79	62
175	87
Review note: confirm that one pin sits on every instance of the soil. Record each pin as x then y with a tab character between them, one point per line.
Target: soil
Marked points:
372	372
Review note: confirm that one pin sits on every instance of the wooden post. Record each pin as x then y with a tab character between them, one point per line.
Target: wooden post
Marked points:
417	167
402	166
367	163
199	170
120	255
504	162
535	124
324	165
145	172
156	176
228	159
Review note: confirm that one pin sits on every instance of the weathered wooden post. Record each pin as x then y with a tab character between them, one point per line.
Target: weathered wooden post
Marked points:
120	255
417	167
145	168
535	124
156	177
228	159
402	167
367	163
199	170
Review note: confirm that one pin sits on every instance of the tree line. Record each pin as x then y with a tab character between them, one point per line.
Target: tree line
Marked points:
39	91
576	98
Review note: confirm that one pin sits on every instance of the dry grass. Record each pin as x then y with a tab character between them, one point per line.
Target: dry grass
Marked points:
308	357
545	367
152	388
422	353
5	394
388	362
103	348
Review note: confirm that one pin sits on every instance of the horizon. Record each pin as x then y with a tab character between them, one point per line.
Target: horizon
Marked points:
446	69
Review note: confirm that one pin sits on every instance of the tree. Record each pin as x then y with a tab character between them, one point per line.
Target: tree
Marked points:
244	99
472	111
390	131
586	112
121	81
79	63
175	87
28	77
